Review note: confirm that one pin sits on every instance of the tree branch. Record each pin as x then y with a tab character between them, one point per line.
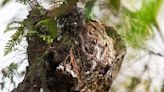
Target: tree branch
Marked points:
153	53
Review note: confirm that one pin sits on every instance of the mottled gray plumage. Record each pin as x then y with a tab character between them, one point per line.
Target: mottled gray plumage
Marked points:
93	57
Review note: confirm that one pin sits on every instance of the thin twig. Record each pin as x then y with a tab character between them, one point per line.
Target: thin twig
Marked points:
153	53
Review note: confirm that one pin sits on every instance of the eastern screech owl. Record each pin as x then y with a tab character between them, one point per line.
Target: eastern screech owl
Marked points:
93	55
98	53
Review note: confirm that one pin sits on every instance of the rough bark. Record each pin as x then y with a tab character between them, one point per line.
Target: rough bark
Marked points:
86	59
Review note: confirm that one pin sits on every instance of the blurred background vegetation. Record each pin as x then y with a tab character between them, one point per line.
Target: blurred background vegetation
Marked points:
139	22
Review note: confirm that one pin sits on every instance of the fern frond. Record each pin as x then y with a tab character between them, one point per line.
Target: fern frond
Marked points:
16	38
23	1
10	70
14	25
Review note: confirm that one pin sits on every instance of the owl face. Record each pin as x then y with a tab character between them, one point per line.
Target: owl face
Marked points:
98	52
97	44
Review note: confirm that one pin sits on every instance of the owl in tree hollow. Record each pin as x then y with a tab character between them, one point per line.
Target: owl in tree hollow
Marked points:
88	56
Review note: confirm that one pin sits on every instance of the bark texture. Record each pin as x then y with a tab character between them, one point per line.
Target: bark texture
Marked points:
86	58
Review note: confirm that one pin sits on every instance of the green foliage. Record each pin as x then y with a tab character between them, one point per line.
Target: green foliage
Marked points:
15	38
4	2
32	32
52	29
10	70
139	23
14	25
88	9
48	39
23	1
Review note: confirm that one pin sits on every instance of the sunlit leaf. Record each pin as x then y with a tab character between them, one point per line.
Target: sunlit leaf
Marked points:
48	39
52	27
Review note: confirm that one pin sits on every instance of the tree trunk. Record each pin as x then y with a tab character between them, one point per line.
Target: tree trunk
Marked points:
87	58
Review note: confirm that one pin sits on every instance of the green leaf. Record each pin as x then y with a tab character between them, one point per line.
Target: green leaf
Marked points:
14	25
89	9
16	38
23	1
32	32
44	22
51	25
48	39
10	70
12	67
